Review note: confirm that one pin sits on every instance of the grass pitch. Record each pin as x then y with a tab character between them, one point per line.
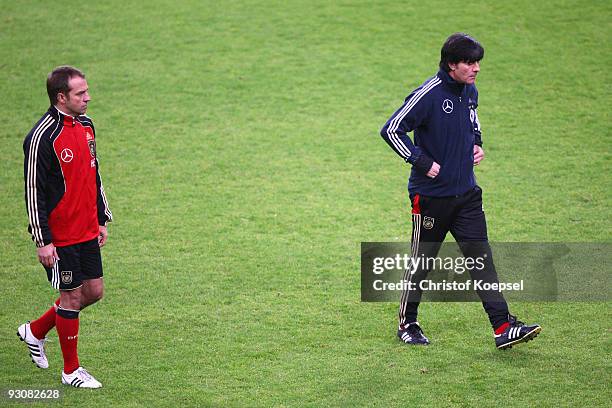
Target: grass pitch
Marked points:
240	153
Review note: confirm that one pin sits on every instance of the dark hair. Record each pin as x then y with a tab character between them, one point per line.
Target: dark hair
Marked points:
460	47
57	81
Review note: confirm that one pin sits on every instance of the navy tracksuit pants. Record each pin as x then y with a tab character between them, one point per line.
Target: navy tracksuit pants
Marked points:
463	216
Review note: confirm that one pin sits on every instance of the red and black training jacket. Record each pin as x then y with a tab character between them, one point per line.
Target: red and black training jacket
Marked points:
64	195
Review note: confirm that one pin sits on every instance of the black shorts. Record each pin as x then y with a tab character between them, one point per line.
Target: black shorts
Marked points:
77	263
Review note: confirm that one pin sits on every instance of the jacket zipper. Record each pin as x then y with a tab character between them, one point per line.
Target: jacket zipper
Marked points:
461	123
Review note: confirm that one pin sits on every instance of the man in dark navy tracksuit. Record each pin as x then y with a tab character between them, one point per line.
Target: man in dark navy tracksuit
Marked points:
442	112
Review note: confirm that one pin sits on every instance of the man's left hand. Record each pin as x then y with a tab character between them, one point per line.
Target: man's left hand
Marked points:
478	155
103	236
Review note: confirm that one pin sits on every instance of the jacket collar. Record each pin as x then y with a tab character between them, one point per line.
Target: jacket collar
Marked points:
450	82
62	116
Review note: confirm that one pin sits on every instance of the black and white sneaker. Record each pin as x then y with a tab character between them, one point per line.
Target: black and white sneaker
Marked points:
413	334
516	332
80	378
35	346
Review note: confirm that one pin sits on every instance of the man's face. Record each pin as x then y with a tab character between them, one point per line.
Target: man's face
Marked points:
75	102
464	72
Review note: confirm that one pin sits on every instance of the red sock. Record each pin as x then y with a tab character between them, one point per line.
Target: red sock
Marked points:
41	326
502	328
68	333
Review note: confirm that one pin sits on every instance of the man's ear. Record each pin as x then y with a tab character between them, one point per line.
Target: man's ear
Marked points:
452	66
61	98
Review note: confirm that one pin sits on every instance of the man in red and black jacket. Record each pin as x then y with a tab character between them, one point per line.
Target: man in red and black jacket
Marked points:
68	213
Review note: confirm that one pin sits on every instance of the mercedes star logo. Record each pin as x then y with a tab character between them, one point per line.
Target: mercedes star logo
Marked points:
66	155
447	106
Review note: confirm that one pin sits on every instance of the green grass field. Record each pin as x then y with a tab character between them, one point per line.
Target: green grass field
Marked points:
239	148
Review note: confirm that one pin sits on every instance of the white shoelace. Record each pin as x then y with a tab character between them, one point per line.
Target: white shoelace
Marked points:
85	374
42	347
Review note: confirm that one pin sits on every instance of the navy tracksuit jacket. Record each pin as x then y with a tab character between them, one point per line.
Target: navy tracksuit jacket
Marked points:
442	114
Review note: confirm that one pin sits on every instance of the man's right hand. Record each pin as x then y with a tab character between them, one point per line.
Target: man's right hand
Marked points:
47	255
434	170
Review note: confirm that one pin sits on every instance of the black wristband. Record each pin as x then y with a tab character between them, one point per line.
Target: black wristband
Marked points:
423	163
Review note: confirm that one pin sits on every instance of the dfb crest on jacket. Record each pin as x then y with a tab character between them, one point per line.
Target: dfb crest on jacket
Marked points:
92	147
